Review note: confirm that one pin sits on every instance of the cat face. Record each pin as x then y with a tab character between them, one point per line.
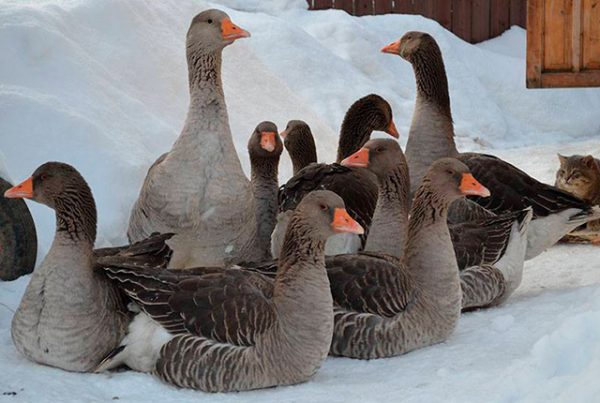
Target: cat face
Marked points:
579	175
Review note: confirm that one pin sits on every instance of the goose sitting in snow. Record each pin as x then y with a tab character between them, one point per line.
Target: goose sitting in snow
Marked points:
489	252
71	316
18	239
198	189
224	330
357	187
431	136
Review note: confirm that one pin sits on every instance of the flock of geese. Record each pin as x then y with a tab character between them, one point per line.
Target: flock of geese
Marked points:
376	254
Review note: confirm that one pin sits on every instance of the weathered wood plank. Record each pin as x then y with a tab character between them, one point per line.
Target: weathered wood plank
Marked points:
518	13
535	42
480	26
558	21
461	19
363	7
584	78
499	17
383	6
576	36
591	34
321	4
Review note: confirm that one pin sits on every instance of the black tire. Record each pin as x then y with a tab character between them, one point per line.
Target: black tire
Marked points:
18	239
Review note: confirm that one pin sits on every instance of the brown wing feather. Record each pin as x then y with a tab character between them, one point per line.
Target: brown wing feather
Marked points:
369	283
229	306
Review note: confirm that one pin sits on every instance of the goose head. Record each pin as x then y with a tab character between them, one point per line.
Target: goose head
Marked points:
453	180
264	141
411	44
380	156
211	31
325	213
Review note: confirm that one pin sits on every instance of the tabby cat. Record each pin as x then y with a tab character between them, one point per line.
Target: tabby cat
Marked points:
580	175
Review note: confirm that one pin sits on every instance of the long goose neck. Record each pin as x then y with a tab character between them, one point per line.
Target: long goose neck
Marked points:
431	133
206	135
265	186
428	252
432	82
355	132
390	219
305	155
76	218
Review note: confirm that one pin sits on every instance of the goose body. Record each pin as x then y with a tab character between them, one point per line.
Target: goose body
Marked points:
431	136
230	330
198	189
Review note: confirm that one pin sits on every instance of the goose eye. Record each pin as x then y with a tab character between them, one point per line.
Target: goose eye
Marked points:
323	207
379	149
210	21
449	172
43	177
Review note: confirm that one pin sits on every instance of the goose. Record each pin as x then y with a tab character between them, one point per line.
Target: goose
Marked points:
489	252
495	240
70	315
18	239
299	142
198	189
431	136
264	148
384	308
233	330
357	187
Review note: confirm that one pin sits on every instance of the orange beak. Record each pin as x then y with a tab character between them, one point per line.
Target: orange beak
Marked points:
267	141
342	222
231	32
470	186
393	48
22	190
359	159
391	130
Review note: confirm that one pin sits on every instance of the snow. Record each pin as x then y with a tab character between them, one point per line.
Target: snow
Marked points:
101	84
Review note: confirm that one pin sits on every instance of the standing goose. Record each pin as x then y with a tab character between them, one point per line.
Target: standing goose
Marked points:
198	189
489	252
18	240
232	330
70	315
432	136
357	187
384	309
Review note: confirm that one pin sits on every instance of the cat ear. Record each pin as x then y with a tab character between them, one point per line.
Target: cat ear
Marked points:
561	158
588	160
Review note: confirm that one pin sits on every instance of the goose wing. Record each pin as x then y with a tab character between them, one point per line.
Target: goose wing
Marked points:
228	306
369	283
512	189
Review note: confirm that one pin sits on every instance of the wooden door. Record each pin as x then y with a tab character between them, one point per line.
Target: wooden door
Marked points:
563	43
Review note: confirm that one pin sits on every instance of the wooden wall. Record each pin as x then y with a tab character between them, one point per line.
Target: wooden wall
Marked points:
563	43
472	20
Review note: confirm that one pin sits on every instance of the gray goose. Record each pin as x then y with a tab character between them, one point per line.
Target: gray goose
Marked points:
489	252
431	136
18	239
300	144
233	330
357	187
198	189
71	316
385	308
478	242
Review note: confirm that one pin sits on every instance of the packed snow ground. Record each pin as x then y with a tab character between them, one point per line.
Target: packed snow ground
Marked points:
102	84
